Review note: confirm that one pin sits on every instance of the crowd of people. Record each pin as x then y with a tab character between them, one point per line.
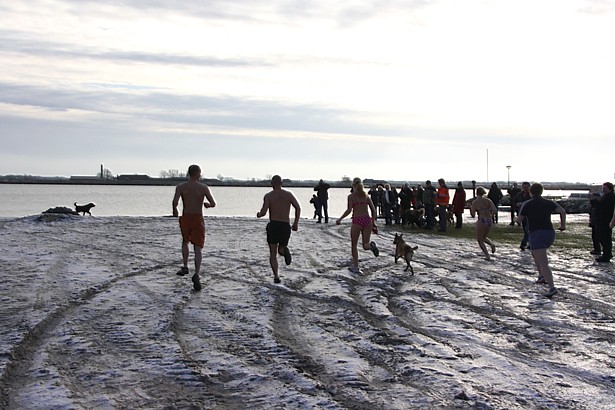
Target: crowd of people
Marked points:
392	204
527	208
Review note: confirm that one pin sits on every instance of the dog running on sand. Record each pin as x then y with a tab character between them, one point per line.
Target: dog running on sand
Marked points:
403	250
84	208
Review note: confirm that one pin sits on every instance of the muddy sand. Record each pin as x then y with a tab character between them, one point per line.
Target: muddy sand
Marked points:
93	316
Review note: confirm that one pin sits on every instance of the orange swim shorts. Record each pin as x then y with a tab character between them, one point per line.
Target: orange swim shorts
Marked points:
193	229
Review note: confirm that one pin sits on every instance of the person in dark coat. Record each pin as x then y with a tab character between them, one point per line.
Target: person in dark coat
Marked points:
495	194
429	198
594	197
606	206
375	194
419	197
323	197
316	204
459	204
513	191
406	196
524	196
389	203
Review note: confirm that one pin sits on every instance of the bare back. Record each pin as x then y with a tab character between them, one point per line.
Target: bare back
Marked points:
278	203
360	205
192	194
483	206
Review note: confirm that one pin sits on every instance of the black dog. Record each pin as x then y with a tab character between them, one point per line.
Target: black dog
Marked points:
414	217
84	208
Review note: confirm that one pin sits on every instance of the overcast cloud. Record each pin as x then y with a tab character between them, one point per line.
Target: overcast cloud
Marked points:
310	89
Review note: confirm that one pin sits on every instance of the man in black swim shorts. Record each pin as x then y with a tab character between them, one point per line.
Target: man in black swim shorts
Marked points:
278	233
278	203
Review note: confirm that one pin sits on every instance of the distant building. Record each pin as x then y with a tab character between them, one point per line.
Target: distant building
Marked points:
84	178
134	177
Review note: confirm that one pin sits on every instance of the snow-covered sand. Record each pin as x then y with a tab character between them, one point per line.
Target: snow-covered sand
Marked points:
93	316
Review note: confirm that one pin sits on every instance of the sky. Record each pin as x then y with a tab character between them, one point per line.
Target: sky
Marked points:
490	90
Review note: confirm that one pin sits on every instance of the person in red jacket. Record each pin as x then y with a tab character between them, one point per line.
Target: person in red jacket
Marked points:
442	200
459	204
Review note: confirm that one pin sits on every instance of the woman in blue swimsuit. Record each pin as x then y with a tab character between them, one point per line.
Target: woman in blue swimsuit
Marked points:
360	204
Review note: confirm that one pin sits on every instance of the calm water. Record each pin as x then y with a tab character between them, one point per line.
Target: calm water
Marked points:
18	200
23	200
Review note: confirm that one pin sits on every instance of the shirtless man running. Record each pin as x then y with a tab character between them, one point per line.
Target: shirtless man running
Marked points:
278	203
191	223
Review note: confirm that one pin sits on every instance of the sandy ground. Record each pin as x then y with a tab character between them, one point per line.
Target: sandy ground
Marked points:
93	316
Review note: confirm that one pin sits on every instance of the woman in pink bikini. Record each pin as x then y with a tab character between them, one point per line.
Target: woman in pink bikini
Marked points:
485	209
360	204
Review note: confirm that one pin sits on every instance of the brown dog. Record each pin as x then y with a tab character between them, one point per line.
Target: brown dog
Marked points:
84	208
403	250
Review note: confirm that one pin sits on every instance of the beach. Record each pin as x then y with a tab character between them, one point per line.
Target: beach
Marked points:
93	316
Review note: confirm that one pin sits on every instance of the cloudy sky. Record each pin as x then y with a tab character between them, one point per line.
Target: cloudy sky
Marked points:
387	89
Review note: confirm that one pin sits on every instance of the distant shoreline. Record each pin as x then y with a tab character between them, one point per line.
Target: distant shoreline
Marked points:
149	181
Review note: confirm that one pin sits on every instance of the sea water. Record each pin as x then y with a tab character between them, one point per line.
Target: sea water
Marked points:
18	200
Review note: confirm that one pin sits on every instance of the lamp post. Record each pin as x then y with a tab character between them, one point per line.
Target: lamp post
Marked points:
508	167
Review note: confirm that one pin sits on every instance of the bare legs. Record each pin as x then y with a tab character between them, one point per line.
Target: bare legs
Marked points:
367	235
185	253
273	259
482	230
355	232
542	264
198	257
274	251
